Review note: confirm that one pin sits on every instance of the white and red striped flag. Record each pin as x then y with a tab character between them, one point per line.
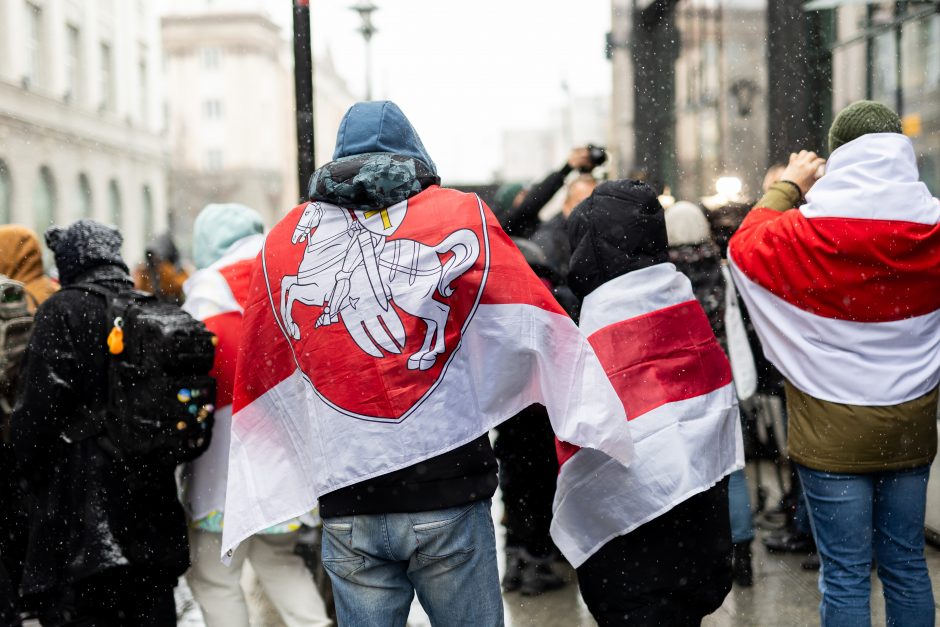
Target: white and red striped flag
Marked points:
843	292
217	295
656	345
380	338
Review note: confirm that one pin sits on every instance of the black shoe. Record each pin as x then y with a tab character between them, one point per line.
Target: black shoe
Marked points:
811	562
790	542
742	572
514	564
538	576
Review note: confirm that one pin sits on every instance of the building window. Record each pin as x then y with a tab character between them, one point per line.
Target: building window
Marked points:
73	64
211	58
114	204
147	203
44	199
34	48
106	77
5	193
212	109
214	159
85	200
144	92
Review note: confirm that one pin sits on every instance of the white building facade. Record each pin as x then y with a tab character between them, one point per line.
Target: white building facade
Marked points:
81	119
229	68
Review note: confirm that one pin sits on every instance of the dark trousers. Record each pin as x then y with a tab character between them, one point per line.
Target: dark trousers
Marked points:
14	530
674	570
118	597
528	469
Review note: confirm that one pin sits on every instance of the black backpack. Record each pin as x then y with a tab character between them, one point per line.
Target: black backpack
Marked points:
16	325
161	399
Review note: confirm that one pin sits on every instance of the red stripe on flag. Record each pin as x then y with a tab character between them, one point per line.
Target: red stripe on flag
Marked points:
665	356
264	359
238	277
844	268
661	357
227	327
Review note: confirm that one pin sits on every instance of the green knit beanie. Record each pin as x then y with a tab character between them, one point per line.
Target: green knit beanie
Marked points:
861	118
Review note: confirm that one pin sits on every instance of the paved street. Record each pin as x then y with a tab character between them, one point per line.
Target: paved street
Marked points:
783	595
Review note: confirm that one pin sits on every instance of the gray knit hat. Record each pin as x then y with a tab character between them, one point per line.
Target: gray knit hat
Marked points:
860	118
84	245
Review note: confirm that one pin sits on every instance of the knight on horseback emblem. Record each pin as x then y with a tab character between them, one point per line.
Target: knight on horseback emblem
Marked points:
354	271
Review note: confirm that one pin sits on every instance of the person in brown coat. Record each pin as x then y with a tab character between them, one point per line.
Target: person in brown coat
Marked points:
21	260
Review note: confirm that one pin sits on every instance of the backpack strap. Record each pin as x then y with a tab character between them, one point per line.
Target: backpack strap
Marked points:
91	423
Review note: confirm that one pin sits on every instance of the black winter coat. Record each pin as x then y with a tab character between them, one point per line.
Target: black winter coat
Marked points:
90	512
702	264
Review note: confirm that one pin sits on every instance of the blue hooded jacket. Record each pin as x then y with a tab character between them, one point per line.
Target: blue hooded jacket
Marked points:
379	127
379	160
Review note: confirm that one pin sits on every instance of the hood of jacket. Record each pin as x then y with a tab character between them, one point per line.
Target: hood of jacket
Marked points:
618	229
218	227
21	260
379	127
379	160
876	177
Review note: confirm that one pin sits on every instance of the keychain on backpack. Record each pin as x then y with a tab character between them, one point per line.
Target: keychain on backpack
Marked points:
116	337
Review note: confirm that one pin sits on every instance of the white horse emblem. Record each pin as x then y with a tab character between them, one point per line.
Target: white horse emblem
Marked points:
355	273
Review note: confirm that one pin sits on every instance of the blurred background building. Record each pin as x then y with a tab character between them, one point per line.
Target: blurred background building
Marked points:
890	52
531	153
754	80
229	72
81	131
721	95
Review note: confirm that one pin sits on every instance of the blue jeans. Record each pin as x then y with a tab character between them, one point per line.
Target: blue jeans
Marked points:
739	503
853	516
448	557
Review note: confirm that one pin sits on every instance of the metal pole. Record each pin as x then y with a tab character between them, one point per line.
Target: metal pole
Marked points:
365	9
303	92
368	68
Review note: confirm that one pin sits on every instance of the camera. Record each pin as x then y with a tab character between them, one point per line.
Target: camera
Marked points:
597	155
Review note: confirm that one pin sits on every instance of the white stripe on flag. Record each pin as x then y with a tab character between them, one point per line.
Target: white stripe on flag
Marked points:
649	289
496	372
855	363
682	448
873	177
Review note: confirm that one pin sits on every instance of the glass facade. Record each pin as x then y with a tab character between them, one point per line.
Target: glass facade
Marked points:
890	52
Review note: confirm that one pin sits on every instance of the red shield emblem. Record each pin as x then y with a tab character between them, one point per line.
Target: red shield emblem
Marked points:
374	303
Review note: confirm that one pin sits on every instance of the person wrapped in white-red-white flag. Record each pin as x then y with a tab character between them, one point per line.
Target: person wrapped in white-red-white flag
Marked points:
652	540
229	239
226	241
839	265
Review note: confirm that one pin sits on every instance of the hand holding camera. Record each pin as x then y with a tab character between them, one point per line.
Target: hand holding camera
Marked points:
587	158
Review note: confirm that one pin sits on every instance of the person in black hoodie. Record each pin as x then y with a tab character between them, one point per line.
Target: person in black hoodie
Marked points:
107	537
676	568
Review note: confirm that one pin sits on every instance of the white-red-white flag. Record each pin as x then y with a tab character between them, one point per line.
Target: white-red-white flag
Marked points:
658	349
377	339
217	295
843	292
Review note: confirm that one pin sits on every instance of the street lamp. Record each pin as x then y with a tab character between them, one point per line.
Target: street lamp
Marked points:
365	10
